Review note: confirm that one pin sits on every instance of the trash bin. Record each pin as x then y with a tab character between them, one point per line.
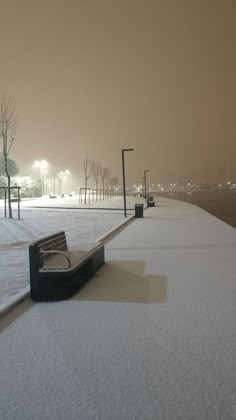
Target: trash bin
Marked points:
150	202
139	210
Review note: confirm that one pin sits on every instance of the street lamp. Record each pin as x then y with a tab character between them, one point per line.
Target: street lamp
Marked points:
42	165
66	174
123	170
145	183
61	175
60	180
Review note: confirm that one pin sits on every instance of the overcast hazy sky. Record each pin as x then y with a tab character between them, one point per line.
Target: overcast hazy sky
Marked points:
91	77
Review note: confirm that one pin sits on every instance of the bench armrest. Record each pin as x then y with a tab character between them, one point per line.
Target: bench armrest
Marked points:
57	252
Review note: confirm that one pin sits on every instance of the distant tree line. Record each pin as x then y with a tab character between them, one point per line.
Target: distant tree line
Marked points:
103	182
102	178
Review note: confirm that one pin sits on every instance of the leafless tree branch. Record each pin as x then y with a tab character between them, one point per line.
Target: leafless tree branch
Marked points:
8	128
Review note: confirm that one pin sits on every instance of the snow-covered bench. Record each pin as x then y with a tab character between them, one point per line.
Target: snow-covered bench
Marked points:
150	202
57	273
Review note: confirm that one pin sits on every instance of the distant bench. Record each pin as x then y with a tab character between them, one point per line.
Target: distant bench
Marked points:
55	272
150	202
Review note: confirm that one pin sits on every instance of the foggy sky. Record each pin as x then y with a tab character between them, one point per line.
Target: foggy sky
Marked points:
91	77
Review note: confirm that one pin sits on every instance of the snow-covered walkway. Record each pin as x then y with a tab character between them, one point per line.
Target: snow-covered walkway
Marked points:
151	336
80	226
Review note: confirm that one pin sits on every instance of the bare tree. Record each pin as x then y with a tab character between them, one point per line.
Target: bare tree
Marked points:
96	174
107	179
8	128
103	179
114	183
88	167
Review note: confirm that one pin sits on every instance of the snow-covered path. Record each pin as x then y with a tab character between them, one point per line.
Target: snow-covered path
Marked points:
151	336
15	235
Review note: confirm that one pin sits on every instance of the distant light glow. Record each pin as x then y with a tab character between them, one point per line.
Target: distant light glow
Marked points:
43	164
36	164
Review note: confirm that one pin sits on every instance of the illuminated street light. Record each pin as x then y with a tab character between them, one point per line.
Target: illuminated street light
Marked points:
61	175
42	166
36	164
145	182
66	174
123	170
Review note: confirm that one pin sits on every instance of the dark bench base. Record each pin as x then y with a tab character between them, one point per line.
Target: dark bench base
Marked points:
56	285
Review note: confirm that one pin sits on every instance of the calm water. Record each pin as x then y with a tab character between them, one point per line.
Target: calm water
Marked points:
220	204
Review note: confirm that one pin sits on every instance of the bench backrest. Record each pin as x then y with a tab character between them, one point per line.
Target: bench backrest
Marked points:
55	242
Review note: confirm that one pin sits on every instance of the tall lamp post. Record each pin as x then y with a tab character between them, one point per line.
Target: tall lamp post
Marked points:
43	169
61	175
145	183
123	171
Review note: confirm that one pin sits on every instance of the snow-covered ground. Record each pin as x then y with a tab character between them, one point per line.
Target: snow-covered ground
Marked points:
80	226
152	336
74	202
